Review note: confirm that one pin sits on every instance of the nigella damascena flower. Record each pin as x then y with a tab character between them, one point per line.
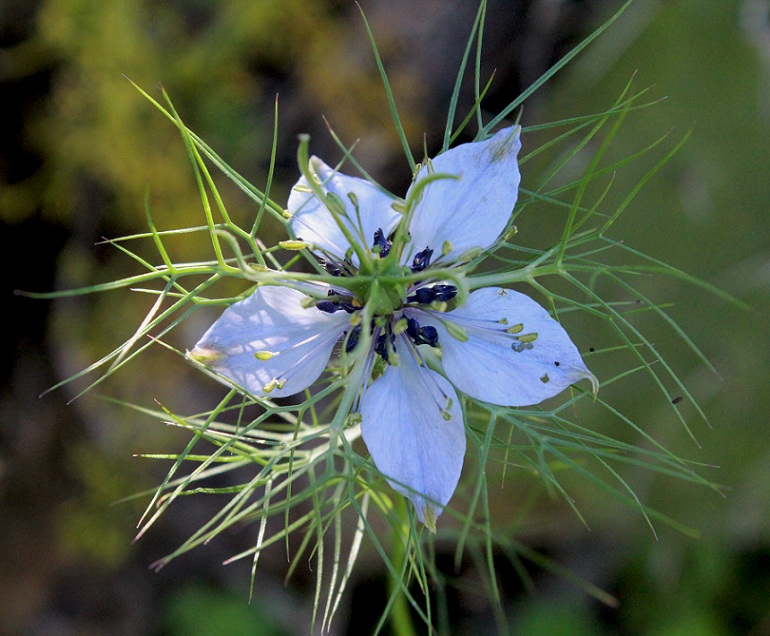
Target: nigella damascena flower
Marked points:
494	344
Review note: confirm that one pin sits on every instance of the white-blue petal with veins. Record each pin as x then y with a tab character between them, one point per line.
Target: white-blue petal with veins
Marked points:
472	211
269	337
312	221
493	365
412	424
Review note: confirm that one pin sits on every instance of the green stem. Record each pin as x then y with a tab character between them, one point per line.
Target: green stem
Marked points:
527	274
400	617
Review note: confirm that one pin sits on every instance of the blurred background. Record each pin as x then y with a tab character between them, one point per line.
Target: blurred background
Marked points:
79	147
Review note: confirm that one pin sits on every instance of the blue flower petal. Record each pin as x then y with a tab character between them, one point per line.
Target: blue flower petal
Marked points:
457	215
367	209
515	353
412	424
269	343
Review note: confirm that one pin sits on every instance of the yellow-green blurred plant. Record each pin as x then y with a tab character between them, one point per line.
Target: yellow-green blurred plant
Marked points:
95	135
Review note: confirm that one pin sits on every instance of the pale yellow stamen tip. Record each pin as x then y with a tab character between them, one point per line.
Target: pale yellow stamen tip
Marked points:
272	385
594	383
264	355
293	245
429	518
457	332
400	327
205	356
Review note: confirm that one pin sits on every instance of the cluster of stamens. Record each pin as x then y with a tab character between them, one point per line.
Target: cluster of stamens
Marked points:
385	335
421	295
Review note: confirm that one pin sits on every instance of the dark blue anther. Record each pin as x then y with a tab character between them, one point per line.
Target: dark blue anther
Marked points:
338	302
426	295
381	344
339	269
327	306
445	292
421	260
353	335
428	335
333	268
347	306
382	243
412	326
421	335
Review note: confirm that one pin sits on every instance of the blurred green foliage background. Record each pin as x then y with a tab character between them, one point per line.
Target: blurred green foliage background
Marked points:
80	148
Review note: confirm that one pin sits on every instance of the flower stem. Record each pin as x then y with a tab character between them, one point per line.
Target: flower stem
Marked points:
400	617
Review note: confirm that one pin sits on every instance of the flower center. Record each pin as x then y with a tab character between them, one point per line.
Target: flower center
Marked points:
391	321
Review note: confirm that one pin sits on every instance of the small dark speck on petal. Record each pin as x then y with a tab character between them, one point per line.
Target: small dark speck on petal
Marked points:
677	399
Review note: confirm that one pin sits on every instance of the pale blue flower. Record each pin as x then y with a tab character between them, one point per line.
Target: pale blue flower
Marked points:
497	345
